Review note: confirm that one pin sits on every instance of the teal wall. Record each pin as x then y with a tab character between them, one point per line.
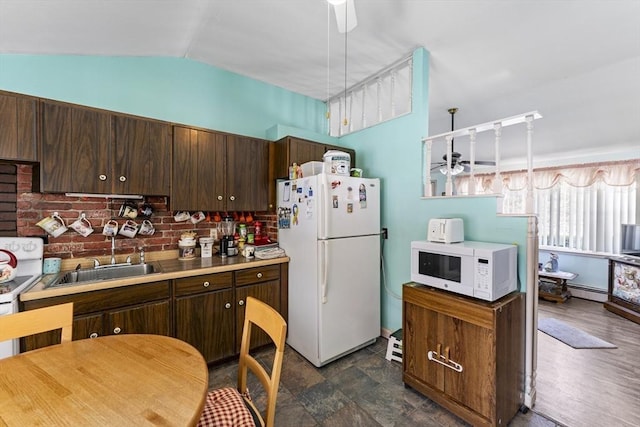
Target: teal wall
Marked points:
172	89
593	271
483	224
184	91
393	152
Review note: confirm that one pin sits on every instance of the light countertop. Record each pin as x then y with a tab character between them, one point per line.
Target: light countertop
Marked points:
169	269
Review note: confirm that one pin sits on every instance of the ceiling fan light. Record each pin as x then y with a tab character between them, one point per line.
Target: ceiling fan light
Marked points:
455	169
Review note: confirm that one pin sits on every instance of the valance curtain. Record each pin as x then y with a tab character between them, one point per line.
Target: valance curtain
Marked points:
578	207
613	174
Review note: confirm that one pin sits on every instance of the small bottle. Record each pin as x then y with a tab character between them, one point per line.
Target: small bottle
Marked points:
258	231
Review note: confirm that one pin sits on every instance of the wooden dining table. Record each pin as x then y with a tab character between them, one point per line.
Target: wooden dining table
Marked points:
117	380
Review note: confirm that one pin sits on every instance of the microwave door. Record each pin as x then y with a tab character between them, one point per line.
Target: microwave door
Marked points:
443	271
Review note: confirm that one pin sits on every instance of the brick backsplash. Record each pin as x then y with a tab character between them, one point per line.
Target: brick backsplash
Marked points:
32	207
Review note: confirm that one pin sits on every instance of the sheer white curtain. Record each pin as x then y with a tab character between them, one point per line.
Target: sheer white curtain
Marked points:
579	207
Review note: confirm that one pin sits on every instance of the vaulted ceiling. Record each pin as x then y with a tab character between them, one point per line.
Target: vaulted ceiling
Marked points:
576	61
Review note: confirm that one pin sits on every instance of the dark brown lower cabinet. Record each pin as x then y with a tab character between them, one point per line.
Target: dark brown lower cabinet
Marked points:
210	308
150	318
135	309
268	292
205	316
206	311
90	326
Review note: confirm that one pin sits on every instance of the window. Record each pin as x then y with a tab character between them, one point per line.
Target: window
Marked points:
579	208
381	97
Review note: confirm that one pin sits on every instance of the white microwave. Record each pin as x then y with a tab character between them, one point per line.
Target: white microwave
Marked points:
483	270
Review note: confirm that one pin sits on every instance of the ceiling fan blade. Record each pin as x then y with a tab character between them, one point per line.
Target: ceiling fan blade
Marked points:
480	162
345	9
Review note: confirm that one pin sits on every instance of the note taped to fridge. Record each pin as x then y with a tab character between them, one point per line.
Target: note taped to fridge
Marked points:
363	196
286	195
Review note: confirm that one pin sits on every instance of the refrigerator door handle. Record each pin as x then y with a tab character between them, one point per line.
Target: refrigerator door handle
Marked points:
323	214
325	269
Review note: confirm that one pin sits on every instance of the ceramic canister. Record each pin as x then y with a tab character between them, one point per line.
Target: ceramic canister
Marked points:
186	249
206	247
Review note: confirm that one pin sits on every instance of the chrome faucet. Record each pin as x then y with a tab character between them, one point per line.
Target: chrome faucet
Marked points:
141	249
113	250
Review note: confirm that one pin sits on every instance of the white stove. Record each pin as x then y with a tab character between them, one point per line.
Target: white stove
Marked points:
29	253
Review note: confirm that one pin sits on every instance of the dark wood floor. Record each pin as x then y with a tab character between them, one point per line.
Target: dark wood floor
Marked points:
589	387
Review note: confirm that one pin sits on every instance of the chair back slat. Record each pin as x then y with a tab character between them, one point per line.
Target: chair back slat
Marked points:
269	320
36	321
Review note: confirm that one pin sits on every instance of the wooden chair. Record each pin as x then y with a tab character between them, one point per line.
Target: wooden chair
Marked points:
33	322
230	406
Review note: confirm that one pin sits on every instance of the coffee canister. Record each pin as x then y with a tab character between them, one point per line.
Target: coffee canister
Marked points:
186	249
337	162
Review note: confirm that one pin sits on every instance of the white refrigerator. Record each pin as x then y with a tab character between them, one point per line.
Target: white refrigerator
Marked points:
329	226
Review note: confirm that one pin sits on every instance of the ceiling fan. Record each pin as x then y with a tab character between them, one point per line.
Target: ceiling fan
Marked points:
345	11
457	165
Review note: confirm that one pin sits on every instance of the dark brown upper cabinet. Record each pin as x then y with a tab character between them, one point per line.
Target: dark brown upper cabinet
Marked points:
213	171
75	145
199	160
141	156
18	127
290	150
248	173
87	150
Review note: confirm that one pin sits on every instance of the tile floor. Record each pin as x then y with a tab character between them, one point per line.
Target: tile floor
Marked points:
361	389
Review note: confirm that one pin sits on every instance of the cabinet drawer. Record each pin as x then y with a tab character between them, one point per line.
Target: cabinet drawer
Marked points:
205	283
106	299
257	275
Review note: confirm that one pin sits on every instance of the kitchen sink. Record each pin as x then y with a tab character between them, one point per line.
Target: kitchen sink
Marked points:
103	273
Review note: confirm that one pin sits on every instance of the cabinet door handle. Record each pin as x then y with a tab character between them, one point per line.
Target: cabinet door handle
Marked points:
122	178
227	305
117	330
241	302
219	197
102	177
205	284
93	335
259	275
436	357
232	198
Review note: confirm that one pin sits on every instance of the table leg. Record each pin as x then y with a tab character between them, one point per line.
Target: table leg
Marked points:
553	289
